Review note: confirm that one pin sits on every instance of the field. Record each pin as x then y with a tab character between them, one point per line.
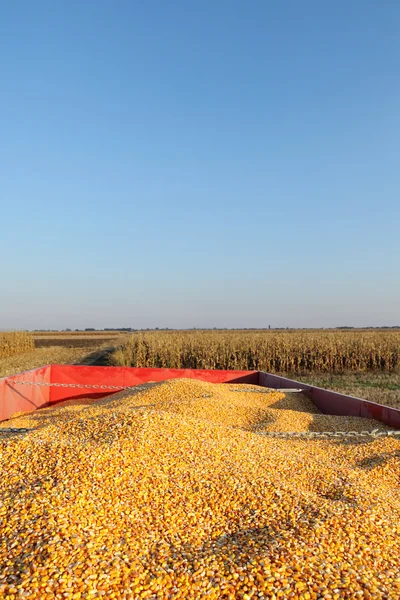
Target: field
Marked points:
15	342
74	339
296	352
43	348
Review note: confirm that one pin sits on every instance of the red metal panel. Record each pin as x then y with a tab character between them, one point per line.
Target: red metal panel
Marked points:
22	398
128	376
334	403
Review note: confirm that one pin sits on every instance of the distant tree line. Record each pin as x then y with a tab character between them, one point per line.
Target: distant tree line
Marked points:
269	328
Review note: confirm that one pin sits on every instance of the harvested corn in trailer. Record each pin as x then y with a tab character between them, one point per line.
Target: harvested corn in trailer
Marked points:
171	492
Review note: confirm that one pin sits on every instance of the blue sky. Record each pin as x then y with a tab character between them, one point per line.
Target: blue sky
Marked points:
214	163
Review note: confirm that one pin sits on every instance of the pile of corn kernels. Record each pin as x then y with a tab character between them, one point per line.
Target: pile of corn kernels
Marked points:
172	493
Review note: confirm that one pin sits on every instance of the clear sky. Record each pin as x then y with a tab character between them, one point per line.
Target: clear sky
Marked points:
199	163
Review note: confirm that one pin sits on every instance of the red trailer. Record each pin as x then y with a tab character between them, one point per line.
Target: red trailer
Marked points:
51	384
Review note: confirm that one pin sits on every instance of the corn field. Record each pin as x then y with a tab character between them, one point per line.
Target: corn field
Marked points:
272	351
15	342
